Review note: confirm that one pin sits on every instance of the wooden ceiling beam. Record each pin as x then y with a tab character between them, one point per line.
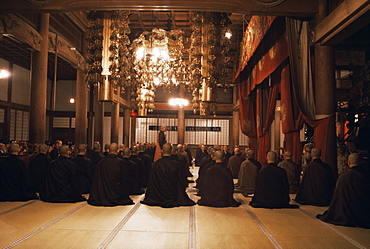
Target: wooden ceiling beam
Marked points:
260	7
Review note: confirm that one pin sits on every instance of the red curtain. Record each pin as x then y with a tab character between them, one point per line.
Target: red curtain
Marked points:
266	113
291	126
321	127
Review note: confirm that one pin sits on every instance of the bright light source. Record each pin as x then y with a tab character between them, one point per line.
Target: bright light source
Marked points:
156	81
228	34
4	74
72	100
178	102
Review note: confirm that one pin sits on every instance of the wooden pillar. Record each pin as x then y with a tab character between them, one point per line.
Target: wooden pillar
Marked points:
98	119
114	123
235	121
133	130
325	90
39	68
90	127
81	109
181	118
126	127
235	129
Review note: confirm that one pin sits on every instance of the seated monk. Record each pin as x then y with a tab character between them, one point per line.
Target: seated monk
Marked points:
272	187
38	167
202	174
248	174
317	183
13	177
134	180
293	171
350	205
218	187
110	184
166	186
60	183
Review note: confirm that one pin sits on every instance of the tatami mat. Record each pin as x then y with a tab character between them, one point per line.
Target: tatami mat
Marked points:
37	224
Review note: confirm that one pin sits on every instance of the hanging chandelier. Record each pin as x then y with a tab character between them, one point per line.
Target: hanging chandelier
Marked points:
158	60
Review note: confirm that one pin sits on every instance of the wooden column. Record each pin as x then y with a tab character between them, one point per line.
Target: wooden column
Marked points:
90	127
181	118
81	109
98	118
325	90
37	128
114	123
133	130
126	128
235	121
235	130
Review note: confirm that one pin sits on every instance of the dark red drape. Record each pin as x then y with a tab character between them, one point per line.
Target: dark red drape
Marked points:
263	131
321	127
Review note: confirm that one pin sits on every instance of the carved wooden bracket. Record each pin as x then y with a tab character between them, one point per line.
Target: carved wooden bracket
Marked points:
66	51
16	27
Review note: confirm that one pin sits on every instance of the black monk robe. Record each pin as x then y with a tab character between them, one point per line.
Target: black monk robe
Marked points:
61	183
13	180
350	205
317	184
110	184
167	185
272	189
37	170
134	180
84	173
218	187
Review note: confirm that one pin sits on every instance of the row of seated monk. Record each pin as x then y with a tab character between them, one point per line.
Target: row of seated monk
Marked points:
113	180
270	184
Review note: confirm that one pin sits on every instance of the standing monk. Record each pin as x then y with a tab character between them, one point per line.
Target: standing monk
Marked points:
161	140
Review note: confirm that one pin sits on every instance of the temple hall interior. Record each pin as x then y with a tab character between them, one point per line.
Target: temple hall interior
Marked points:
261	75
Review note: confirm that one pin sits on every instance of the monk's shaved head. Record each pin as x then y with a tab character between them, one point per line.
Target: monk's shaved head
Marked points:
126	152
113	147
271	156
316	152
43	148
353	159
167	148
63	150
250	153
219	155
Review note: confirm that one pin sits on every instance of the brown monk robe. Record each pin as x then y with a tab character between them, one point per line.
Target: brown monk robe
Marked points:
293	171
160	141
235	161
248	174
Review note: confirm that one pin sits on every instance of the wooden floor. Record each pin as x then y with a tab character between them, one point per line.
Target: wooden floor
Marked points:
36	224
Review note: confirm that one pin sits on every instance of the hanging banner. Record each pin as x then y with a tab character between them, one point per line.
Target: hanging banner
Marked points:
252	38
